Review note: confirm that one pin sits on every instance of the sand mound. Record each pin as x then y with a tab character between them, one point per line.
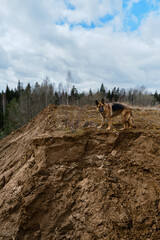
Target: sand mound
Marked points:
62	178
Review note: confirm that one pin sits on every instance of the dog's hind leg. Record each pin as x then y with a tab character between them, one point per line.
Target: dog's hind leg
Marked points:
125	119
130	121
129	118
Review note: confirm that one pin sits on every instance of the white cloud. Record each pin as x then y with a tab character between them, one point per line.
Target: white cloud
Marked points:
32	45
149	29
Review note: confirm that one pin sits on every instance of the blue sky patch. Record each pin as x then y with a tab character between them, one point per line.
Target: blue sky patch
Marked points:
69	5
85	25
137	12
106	18
133	12
143	7
82	24
61	22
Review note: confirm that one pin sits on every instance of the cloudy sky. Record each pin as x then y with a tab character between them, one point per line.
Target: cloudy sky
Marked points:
114	42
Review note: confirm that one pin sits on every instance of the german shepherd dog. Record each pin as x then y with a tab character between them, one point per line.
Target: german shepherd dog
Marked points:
113	109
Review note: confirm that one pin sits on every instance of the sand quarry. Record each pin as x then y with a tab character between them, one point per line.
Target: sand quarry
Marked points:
61	178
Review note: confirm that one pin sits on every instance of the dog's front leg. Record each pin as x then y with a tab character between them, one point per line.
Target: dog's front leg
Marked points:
109	123
102	123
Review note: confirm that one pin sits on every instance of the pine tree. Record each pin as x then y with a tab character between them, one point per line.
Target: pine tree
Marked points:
90	92
74	95
102	90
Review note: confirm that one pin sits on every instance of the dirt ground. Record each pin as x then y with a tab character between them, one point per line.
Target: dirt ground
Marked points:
61	178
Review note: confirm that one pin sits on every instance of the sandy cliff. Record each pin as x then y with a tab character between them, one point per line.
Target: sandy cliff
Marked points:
62	178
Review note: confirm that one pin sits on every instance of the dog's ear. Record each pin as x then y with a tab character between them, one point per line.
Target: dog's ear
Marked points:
102	101
96	102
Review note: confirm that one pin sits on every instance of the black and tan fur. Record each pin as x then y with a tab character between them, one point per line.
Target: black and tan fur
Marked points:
113	109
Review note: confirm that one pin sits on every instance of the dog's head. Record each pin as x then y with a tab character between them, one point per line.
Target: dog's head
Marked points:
100	105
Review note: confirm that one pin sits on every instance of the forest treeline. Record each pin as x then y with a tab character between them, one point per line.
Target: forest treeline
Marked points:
19	105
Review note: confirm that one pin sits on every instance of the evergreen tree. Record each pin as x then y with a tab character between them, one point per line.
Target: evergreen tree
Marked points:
73	95
102	90
156	96
109	96
12	118
8	94
56	98
20	87
90	92
1	112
